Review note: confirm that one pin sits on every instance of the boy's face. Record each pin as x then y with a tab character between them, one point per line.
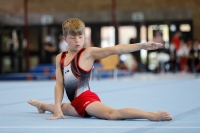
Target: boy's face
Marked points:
75	42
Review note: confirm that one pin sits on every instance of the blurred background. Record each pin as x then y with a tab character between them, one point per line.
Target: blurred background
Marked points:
31	35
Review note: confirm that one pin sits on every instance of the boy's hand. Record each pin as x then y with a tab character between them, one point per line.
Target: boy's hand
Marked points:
57	115
151	45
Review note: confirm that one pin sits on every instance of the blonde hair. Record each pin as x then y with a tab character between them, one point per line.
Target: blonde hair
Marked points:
73	26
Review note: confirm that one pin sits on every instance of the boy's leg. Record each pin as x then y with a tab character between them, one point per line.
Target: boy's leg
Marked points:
100	110
67	108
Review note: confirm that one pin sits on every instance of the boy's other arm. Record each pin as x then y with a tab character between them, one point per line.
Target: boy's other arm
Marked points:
59	91
99	53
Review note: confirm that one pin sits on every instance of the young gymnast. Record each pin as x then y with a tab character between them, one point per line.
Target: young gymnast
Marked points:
73	69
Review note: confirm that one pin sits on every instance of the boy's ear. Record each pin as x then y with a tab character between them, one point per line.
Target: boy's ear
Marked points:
64	38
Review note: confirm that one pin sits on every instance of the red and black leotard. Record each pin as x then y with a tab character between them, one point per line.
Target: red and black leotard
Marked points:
76	83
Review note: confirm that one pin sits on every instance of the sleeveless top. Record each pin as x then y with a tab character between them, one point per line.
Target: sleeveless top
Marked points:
76	79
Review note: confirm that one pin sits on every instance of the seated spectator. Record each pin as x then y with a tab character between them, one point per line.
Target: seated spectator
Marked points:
183	50
48	50
173	62
176	40
182	54
194	57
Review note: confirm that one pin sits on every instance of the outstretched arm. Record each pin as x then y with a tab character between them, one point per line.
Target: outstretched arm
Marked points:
99	53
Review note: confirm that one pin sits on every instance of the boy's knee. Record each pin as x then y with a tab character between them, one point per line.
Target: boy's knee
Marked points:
63	105
110	115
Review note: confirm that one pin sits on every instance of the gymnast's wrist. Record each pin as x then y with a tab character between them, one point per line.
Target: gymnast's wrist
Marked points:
141	45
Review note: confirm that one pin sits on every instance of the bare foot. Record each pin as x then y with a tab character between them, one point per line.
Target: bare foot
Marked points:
37	104
161	116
